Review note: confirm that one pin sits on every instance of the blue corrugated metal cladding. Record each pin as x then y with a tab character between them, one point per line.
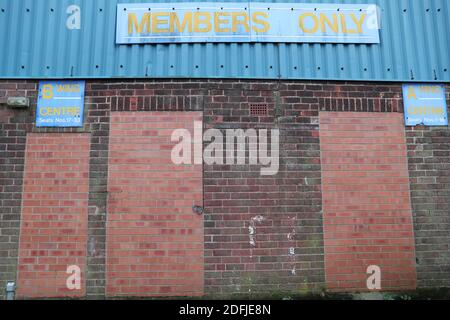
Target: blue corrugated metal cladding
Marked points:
415	46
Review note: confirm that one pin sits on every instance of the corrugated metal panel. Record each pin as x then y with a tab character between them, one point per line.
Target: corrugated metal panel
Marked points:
415	46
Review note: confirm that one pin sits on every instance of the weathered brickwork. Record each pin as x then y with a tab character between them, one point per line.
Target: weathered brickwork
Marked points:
53	232
98	105
14	125
366	200
261	233
429	167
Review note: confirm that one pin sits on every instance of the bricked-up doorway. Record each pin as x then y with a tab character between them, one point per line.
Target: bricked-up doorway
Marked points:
154	239
53	232
366	200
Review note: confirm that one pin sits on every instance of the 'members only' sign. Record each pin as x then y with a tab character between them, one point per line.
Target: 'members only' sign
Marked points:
244	22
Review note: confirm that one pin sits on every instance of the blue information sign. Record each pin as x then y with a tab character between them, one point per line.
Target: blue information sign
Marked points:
425	104
60	104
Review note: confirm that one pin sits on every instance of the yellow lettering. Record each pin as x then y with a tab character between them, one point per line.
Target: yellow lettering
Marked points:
202	18
73	111
68	88
265	26
175	22
411	93
344	25
47	91
44	111
60	111
430	89
157	22
425	110
359	23
133	22
334	26
302	23
218	21
244	22
437	111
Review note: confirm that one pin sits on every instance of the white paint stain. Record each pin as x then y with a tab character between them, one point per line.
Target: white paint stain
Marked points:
252	229
291	235
258	219
91	247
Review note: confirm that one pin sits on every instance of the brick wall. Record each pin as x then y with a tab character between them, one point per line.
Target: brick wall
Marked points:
154	239
263	234
14	125
366	200
429	166
429	170
53	231
290	203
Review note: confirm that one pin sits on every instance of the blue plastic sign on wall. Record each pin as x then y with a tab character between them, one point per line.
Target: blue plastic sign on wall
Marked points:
60	104
425	104
247	22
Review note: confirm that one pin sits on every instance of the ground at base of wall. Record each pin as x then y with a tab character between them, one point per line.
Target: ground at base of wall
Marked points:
419	294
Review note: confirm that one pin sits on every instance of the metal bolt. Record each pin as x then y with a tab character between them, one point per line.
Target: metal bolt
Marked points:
198	210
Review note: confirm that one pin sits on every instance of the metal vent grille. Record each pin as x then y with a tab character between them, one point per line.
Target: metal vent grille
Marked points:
258	110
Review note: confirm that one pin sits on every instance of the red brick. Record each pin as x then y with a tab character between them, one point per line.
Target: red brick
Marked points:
47	276
366	200
154	240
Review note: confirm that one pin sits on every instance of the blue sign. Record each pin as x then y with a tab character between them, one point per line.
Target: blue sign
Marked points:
60	104
246	22
425	104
